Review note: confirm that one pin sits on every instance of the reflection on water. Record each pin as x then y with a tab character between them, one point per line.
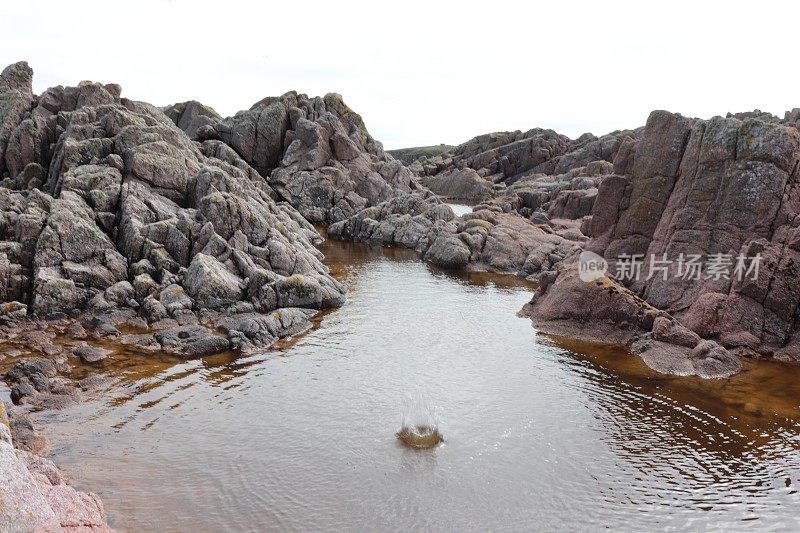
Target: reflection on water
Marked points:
460	209
541	433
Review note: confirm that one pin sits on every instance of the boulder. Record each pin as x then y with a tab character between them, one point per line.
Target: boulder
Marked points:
191	341
191	117
211	285
90	354
250	332
460	184
448	251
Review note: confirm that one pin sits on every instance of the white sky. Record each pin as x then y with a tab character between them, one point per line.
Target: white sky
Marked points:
426	72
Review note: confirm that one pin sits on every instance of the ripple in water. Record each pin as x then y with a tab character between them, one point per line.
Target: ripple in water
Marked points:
541	435
418	427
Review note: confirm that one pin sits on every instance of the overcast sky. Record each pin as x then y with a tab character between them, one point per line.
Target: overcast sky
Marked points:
426	72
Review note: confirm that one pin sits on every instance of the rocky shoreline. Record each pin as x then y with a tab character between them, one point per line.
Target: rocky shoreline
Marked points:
723	191
34	494
176	231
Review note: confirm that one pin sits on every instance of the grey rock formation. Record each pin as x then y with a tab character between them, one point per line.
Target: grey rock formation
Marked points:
109	204
485	239
250	332
191	341
191	116
16	100
316	153
90	354
460	184
211	284
542	162
410	155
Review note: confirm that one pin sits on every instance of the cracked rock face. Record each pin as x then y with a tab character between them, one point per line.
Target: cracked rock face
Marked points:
722	186
316	153
191	116
110	204
16	100
704	187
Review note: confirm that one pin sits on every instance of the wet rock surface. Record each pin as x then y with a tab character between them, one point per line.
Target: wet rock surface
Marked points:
605	311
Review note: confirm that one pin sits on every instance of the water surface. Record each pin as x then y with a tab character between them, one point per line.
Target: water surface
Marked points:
460	209
539	433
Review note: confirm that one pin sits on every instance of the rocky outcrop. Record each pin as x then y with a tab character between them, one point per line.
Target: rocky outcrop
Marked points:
191	116
490	164
485	239
35	497
409	155
460	184
181	231
403	221
678	187
603	310
109	207
542	176
16	100
724	192
316	153
536	191
499	156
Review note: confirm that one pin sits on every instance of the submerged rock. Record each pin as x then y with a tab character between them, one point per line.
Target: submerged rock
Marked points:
420	436
90	354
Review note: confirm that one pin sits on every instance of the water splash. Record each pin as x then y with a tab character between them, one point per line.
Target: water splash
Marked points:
418	427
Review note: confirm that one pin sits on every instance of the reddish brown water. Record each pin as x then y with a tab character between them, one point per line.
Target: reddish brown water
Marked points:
539	433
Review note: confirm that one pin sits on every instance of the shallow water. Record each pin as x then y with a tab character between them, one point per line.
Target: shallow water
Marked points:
539	433
460	209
